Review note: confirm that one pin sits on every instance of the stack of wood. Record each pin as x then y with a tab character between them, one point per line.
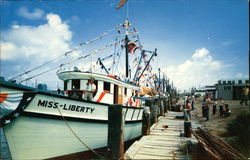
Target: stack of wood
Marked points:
215	147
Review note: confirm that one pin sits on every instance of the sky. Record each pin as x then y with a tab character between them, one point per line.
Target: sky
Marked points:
198	41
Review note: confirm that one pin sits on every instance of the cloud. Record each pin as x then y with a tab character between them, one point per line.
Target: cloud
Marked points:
199	53
43	41
200	69
36	14
30	46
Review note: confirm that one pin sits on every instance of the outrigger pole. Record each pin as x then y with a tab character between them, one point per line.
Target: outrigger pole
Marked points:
136	72
154	54
102	65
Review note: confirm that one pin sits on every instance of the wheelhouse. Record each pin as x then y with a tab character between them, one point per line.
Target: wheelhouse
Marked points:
109	89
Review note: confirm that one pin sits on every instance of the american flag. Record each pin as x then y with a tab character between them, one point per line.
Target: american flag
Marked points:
121	4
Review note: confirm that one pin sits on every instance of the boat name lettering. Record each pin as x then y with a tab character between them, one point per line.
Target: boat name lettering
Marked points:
71	107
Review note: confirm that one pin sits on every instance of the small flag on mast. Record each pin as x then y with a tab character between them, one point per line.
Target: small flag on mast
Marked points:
121	4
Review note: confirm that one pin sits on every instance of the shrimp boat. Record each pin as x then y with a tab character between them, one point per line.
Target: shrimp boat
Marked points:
41	124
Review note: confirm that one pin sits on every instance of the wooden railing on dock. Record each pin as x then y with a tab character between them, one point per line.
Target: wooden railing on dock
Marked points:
215	147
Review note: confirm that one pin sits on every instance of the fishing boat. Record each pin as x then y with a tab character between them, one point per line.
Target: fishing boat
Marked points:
41	124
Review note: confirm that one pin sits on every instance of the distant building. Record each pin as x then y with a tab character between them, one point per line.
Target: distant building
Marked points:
209	90
231	89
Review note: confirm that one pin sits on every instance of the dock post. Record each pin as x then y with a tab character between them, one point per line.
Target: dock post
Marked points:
155	105
146	121
187	124
165	105
116	131
161	107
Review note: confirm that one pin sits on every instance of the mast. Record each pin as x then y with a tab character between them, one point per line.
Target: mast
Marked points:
159	69
127	49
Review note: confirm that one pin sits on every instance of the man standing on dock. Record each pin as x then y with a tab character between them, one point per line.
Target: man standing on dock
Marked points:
207	105
245	93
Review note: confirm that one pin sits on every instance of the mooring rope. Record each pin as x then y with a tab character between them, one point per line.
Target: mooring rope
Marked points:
72	131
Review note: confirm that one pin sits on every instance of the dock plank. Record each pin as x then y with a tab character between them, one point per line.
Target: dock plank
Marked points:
163	142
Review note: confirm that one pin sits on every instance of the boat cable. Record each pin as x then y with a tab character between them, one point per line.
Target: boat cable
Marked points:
26	79
119	57
66	53
81	57
72	131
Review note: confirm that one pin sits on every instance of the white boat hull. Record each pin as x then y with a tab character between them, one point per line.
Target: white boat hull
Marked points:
41	138
40	130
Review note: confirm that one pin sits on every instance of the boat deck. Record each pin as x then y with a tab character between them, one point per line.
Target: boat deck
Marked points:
164	142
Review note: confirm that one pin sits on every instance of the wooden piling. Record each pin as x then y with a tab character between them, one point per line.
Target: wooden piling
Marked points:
187	123
165	105
187	128
155	106
146	121
161	107
115	132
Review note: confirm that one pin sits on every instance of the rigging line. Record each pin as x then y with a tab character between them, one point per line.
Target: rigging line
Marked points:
119	57
114	56
66	53
38	74
81	141
55	68
37	67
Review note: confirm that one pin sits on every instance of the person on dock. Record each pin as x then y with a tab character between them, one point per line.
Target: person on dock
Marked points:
203	108
89	91
215	101
245	92
193	101
189	105
207	106
227	111
221	106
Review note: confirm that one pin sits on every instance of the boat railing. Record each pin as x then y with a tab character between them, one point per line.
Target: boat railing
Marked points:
60	70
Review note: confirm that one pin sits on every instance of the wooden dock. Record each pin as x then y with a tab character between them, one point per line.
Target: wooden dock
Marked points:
164	142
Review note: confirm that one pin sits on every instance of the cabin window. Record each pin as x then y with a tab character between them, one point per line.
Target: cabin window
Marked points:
65	85
76	84
125	91
247	81
240	81
106	86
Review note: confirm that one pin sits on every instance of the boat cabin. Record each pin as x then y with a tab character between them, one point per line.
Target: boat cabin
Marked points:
108	88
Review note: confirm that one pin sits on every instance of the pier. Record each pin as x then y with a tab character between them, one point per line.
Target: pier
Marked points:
165	141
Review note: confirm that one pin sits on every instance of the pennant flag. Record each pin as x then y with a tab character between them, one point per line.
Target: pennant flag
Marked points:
132	47
139	67
135	60
121	4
